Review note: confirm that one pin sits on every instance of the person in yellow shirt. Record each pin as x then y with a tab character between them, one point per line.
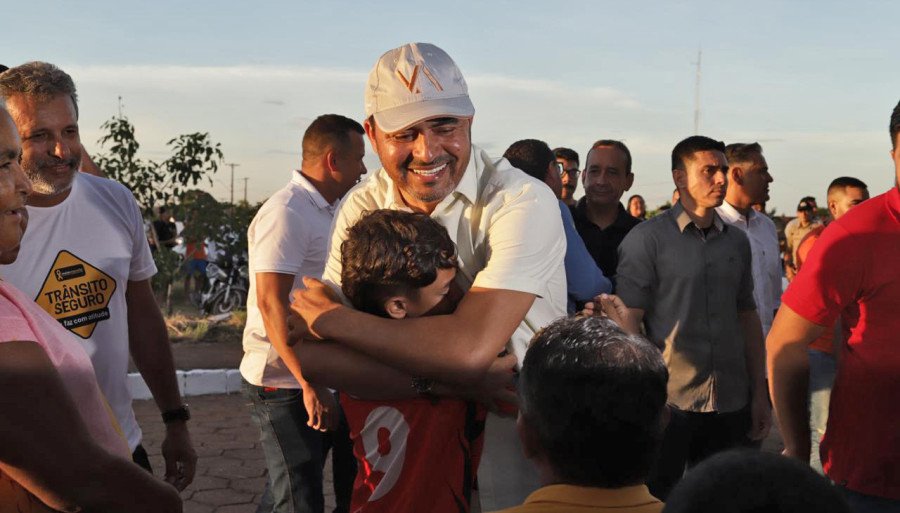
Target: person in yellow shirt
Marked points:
591	416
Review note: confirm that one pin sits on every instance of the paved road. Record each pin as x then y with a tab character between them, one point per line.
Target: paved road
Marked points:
231	473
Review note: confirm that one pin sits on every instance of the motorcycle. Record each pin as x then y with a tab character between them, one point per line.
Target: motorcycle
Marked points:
226	286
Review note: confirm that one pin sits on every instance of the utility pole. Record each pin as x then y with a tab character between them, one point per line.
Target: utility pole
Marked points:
120	105
245	190
697	94
232	166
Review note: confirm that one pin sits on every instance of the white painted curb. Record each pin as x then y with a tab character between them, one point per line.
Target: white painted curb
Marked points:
192	382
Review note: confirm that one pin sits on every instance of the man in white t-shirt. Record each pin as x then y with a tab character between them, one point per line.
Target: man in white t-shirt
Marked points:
288	239
509	238
86	261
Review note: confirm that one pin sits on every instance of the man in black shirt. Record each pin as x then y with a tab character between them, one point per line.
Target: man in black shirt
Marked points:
600	218
164	230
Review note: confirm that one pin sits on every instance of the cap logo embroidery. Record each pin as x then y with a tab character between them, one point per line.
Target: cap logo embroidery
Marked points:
411	83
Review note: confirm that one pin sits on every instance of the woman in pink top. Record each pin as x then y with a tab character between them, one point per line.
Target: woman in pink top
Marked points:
59	444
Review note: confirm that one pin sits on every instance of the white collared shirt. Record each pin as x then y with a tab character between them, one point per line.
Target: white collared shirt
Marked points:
506	227
289	235
766	259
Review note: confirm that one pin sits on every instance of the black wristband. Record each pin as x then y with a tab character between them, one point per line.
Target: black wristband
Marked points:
181	413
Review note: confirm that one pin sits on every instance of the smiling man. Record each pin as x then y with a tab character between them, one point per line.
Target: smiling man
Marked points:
507	230
599	216
86	261
687	275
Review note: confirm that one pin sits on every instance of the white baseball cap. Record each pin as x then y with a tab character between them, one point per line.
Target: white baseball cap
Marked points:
414	82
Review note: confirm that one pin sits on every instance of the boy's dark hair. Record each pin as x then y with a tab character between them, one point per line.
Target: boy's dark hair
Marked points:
895	125
531	156
752	481
390	252
685	149
594	397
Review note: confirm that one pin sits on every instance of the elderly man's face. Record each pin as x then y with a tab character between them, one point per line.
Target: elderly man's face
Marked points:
51	144
14	188
426	160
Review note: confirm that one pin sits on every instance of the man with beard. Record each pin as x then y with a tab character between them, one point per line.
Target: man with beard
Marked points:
86	261
509	238
568	158
687	275
600	218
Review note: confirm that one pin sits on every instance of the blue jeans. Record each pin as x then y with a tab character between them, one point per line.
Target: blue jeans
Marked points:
295	453
822	368
861	503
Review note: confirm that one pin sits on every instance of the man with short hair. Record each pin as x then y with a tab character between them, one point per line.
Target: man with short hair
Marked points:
584	280
288	239
600	218
86	261
852	273
510	242
687	275
570	162
748	183
796	230
844	193
591	416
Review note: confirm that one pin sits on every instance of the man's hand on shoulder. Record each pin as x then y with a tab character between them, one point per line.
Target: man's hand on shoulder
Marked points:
310	305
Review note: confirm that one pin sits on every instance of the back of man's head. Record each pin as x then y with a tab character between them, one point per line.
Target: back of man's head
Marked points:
531	156
592	399
39	80
685	150
753	481
328	132
389	252
568	154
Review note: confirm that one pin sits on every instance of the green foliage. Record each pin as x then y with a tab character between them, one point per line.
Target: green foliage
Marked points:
194	158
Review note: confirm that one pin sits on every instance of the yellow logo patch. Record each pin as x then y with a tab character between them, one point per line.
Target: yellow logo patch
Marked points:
76	294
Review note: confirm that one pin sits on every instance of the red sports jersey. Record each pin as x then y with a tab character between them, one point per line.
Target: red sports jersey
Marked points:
414	455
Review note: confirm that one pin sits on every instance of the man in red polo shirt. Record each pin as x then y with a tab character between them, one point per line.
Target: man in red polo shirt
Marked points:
853	272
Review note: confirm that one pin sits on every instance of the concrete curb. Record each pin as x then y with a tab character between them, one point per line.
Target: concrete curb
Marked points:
192	382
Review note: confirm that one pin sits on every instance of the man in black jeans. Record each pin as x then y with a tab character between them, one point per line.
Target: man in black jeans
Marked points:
687	275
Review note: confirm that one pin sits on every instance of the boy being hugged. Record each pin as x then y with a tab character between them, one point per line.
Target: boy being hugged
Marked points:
414	454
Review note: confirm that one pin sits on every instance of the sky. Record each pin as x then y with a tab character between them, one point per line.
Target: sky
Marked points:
813	81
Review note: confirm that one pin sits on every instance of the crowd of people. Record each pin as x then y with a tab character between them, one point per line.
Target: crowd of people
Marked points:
457	329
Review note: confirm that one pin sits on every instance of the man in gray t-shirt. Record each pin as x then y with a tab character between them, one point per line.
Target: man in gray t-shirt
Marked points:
687	276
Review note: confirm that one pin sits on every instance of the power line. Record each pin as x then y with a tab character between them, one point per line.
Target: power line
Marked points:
232	166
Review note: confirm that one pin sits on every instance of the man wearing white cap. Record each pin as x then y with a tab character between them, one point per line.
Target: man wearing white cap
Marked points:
510	245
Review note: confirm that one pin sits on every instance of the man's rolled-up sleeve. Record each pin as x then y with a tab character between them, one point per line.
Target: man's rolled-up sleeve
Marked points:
526	243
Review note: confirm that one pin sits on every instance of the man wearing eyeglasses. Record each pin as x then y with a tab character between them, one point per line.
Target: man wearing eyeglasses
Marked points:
599	216
568	159
584	280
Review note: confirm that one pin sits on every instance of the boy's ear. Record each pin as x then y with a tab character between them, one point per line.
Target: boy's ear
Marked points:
395	307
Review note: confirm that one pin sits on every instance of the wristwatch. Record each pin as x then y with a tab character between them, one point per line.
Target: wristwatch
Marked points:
180	413
423	386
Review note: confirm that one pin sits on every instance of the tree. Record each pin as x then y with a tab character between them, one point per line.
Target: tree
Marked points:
194	158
